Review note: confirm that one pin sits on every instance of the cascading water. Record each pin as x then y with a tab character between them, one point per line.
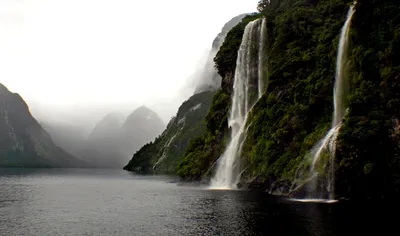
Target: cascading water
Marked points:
12	131
328	143
262	59
249	80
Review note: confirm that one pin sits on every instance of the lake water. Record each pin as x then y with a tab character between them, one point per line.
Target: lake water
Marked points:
113	202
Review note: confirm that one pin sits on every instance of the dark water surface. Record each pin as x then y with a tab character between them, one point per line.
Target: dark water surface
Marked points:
114	202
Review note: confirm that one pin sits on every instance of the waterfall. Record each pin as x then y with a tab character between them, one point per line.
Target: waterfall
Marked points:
341	84
165	149
262	71
248	81
12	131
328	143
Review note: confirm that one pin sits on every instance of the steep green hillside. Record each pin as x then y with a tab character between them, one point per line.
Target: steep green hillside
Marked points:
163	155
296	109
205	149
369	142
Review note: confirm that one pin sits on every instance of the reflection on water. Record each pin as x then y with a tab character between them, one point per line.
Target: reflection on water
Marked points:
113	202
312	200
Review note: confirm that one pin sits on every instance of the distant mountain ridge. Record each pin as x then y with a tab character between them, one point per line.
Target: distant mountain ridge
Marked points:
139	128
165	153
113	140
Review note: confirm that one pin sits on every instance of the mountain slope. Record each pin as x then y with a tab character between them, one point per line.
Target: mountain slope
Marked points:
141	126
112	142
163	155
101	149
23	142
69	137
296	110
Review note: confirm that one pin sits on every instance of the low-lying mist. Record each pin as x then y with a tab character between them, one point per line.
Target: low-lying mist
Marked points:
85	79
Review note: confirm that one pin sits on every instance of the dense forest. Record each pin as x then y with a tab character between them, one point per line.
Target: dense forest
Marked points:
296	108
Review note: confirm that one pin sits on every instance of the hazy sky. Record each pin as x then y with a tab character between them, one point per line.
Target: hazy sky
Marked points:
66	54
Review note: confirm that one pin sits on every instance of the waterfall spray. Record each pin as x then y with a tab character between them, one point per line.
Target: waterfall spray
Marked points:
328	142
248	72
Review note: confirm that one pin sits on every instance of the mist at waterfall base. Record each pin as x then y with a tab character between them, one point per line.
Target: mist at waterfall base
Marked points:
115	202
320	187
249	69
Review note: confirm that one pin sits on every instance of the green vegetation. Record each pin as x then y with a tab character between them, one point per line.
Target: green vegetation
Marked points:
205	150
170	146
296	110
301	60
369	141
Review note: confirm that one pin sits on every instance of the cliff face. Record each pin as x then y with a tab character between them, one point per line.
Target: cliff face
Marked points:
23	142
295	111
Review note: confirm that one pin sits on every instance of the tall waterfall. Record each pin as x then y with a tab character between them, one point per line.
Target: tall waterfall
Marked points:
328	143
248	87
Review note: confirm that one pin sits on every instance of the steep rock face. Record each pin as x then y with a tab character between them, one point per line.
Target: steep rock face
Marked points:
296	110
164	154
23	142
210	79
141	127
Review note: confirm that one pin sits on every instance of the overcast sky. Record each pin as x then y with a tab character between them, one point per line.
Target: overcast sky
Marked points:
98	53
